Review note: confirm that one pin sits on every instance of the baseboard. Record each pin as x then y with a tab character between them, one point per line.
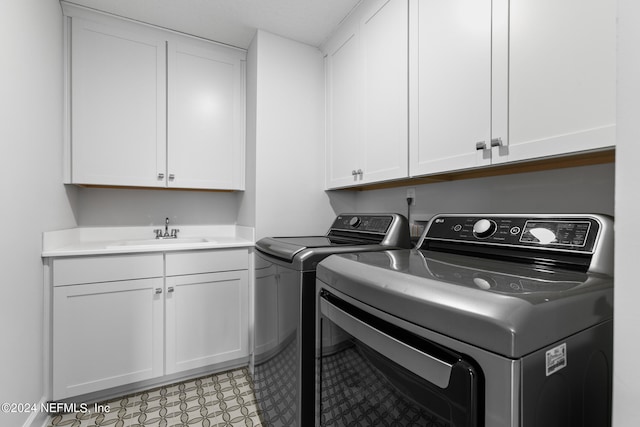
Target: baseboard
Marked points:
38	418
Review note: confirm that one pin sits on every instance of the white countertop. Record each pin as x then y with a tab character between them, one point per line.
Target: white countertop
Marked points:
119	240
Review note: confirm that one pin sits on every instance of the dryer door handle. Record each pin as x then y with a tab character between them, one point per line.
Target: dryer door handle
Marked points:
426	366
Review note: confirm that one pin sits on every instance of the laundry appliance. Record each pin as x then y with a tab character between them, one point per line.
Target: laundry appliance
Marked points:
284	353
491	321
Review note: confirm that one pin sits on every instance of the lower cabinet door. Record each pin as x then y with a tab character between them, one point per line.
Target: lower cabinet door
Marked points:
106	335
207	319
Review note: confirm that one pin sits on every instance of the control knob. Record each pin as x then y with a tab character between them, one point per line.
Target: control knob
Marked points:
354	222
484	228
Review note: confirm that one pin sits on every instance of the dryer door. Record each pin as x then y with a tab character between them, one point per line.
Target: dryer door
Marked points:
375	373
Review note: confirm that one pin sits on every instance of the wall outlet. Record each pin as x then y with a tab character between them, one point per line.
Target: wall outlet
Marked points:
411	193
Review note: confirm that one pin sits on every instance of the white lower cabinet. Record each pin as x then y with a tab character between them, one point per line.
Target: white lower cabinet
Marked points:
123	319
106	335
206	319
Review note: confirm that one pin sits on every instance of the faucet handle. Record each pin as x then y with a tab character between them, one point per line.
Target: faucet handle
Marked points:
158	232
174	233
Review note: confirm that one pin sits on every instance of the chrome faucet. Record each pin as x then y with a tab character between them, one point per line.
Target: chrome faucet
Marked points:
166	234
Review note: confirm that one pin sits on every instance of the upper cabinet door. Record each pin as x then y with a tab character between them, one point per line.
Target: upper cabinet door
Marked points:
205	123
385	131
118	130
562	78
367	91
451	60
344	94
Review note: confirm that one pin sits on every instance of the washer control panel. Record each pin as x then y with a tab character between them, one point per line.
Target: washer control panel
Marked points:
577	233
368	223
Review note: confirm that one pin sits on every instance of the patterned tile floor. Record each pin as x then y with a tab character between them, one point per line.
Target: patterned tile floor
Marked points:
225	399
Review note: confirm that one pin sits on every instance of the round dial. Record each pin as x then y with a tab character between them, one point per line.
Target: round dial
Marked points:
484	228
354	222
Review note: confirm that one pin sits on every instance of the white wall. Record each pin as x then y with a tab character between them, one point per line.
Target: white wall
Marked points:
626	389
33	197
288	109
587	189
101	207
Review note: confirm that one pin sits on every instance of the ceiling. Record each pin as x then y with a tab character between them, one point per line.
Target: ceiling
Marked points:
234	22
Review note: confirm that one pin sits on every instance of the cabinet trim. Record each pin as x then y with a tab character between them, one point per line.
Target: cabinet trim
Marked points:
75	10
132	187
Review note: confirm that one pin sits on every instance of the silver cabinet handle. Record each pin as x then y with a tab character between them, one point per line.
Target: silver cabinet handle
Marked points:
170	289
158	290
481	145
160	176
496	142
171	177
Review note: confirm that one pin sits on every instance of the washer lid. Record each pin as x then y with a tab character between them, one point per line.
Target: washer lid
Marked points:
503	307
356	230
287	248
279	249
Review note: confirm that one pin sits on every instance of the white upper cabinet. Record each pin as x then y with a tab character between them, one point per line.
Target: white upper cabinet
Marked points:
344	102
152	108
205	123
450	85
367	90
501	81
562	77
118	88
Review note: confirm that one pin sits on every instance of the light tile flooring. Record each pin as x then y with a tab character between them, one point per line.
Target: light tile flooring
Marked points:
225	399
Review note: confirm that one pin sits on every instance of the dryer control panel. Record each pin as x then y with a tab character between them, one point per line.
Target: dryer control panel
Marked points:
581	242
575	234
